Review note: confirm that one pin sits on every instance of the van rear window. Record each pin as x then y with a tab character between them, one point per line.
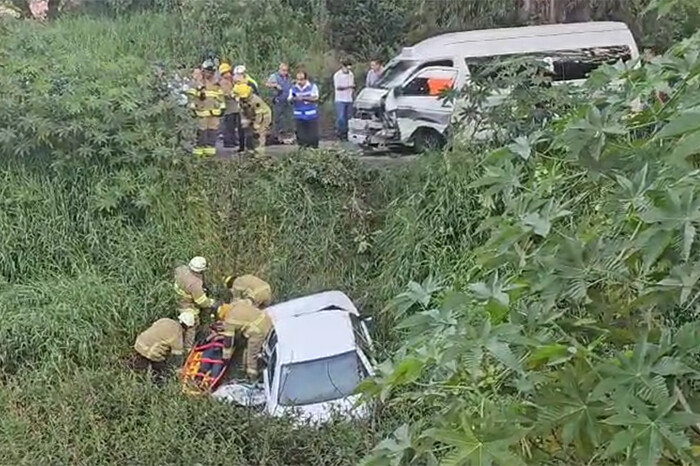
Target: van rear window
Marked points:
565	65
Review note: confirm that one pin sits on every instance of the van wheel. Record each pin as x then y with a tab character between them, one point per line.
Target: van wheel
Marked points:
427	139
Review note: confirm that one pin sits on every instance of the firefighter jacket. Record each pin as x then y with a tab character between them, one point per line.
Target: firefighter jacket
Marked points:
231	102
253	288
257	112
207	99
163	338
243	318
189	287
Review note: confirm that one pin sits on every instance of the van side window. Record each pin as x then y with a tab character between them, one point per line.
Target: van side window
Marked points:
448	63
569	65
431	82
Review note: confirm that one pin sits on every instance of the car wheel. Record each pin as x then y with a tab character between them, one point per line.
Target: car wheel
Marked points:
427	139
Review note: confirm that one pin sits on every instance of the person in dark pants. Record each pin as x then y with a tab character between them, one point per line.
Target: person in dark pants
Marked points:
304	98
281	83
344	83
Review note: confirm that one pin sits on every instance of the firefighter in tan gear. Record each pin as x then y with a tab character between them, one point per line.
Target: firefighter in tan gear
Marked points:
232	113
162	343
208	104
245	317
255	114
192	294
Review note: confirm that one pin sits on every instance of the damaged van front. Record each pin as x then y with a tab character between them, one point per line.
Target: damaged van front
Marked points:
371	126
403	111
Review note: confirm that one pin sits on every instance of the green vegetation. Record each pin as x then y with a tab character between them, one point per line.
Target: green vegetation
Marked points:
558	262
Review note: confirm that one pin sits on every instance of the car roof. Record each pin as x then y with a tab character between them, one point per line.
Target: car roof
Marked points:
524	39
314	336
311	304
313	327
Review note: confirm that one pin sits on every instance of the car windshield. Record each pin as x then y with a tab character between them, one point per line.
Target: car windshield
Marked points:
394	71
321	380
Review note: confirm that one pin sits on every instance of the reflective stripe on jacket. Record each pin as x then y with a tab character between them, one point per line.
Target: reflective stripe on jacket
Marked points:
242	315
163	338
207	99
304	110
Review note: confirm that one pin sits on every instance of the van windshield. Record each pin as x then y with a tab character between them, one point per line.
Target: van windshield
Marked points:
394	73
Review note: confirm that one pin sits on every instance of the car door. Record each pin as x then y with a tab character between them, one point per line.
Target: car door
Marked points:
269	381
417	104
363	339
270	359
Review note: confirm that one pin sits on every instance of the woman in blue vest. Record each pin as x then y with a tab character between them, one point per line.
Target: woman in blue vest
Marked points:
304	99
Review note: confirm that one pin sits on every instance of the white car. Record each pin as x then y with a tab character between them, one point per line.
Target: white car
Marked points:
316	355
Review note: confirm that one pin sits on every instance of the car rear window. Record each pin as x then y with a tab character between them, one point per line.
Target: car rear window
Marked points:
321	380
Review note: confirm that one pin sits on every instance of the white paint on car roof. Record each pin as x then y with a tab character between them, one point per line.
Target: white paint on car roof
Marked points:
313	327
310	304
314	336
525	39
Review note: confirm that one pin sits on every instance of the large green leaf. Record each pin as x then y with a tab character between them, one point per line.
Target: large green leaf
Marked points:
682	124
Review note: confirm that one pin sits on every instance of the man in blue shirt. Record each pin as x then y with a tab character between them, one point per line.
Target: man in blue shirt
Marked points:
281	83
304	98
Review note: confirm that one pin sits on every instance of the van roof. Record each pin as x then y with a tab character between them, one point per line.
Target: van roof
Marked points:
525	39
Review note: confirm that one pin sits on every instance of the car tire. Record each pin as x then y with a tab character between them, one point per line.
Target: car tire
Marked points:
427	139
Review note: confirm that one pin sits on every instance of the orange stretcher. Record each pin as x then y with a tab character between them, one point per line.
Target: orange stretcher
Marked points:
205	366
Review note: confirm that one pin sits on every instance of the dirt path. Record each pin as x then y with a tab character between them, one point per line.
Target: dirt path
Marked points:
376	159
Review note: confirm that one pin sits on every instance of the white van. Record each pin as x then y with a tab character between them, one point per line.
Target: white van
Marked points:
404	110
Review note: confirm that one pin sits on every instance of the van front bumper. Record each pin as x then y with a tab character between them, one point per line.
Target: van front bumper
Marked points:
369	133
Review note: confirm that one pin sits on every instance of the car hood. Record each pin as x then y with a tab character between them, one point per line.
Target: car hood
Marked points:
323	412
370	97
242	394
247	395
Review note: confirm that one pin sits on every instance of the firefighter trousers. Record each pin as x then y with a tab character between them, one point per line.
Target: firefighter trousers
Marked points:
207	135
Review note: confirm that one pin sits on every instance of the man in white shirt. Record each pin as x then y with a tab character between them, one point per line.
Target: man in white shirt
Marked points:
344	84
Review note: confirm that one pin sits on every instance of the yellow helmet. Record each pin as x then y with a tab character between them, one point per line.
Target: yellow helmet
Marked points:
242	91
224	68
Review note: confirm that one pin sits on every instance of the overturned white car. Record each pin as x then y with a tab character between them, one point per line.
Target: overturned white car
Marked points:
316	355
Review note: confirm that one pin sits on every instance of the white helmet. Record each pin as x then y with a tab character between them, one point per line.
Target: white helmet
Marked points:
239	69
198	264
186	318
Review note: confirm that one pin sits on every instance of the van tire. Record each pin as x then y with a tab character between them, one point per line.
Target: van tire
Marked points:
427	139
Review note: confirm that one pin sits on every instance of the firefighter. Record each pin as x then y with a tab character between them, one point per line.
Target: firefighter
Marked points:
241	75
255	114
192	292
245	317
162	344
208	103
232	112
